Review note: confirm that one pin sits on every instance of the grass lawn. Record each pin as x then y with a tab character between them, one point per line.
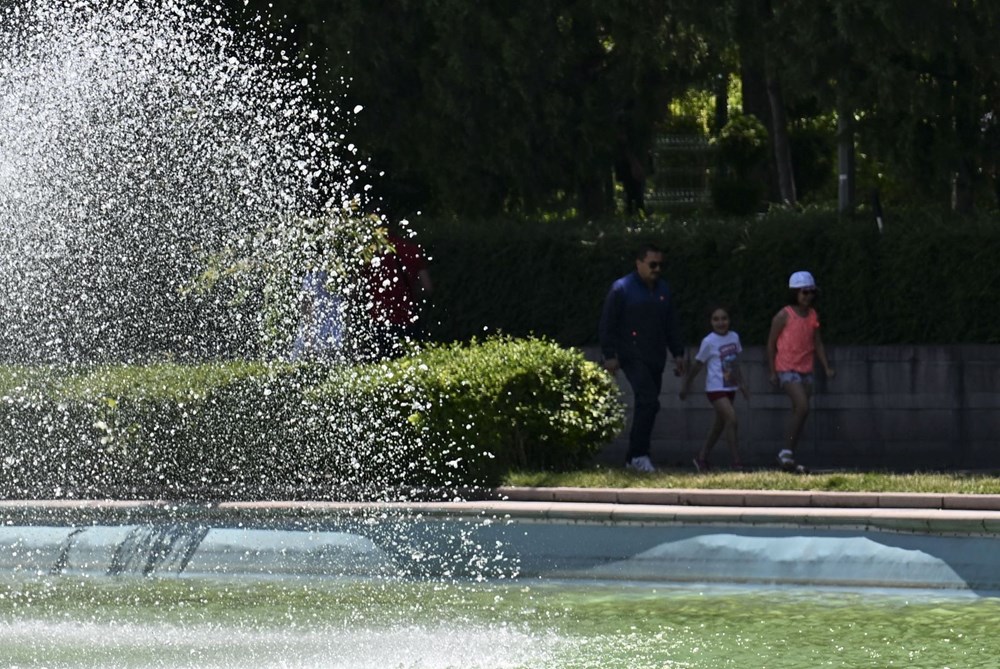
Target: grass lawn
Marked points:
606	477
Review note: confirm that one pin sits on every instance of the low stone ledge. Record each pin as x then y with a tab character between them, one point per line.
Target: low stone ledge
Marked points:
757	498
972	502
592	495
767	515
903	520
712	498
781	498
643	513
835	516
515	494
648	496
845	500
710	514
910	501
317	514
580	511
956	521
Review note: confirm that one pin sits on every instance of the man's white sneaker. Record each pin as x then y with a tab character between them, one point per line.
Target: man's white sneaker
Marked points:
641	464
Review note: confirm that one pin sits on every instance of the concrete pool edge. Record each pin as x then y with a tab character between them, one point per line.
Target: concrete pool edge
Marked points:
857	546
919	512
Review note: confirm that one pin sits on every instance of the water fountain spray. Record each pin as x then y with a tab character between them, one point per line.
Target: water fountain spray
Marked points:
137	140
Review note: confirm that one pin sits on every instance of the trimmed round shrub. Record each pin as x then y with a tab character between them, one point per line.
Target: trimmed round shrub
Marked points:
446	417
472	412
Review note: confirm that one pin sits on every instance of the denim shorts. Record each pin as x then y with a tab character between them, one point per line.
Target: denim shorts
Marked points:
804	378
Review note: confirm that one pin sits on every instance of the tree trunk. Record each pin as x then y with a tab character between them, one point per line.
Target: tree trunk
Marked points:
845	160
780	141
752	41
591	197
721	103
755	103
967	140
967	118
963	199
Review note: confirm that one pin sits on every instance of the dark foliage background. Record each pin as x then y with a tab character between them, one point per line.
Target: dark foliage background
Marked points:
926	279
483	109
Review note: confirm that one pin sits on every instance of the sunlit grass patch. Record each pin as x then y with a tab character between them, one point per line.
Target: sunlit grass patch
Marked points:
841	481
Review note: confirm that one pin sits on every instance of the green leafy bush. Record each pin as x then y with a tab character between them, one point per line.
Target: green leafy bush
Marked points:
737	196
161	429
742	144
449	416
814	156
475	411
738	188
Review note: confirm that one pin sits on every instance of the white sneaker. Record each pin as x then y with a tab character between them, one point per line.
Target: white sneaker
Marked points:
786	460
641	464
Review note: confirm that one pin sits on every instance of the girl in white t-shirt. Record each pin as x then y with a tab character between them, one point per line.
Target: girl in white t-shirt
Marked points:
719	354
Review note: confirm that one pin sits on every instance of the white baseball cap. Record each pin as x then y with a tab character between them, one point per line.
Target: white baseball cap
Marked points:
801	280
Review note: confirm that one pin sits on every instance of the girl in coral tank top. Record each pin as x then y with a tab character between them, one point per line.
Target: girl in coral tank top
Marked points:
792	347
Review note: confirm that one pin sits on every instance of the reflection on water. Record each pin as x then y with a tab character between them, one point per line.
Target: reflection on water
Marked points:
316	623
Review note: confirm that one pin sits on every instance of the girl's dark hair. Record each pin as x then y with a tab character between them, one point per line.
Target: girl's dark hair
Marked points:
793	295
712	308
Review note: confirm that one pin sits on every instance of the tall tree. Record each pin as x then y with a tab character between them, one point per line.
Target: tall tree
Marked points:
924	81
763	94
481	107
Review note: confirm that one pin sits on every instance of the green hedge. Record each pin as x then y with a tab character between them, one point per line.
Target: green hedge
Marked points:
159	429
474	412
926	279
447	417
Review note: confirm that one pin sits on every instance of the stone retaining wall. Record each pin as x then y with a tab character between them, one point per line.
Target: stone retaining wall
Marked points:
889	407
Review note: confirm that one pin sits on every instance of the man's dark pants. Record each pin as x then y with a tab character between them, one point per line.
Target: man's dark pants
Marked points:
646	380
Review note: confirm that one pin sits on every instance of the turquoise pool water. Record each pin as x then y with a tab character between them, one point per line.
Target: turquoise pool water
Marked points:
127	622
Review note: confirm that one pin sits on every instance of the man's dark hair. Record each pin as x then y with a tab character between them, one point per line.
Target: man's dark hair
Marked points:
647	248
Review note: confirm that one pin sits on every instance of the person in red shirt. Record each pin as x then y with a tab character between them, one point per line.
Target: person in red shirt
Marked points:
792	347
399	284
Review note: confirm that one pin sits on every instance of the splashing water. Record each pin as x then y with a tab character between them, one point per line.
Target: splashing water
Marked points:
137	139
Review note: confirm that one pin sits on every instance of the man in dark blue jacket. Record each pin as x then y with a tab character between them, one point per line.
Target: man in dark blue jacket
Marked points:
638	326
